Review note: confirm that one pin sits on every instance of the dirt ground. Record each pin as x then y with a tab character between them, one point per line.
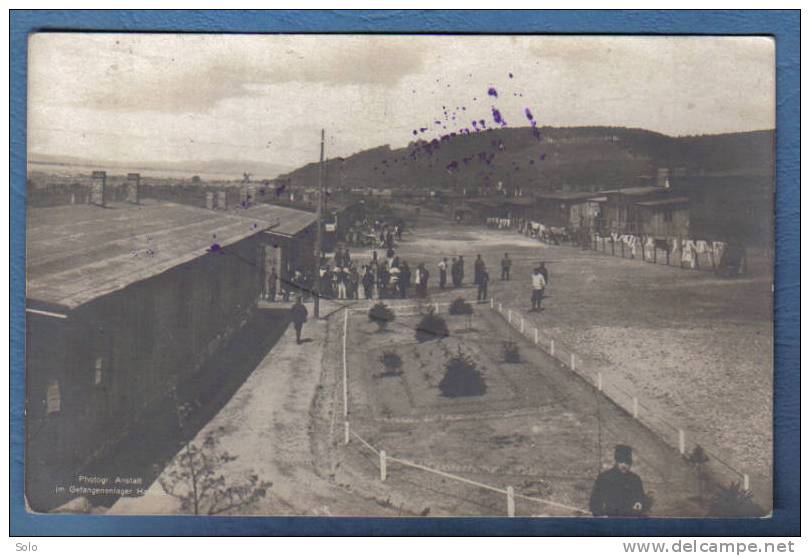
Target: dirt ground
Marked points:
538	428
696	349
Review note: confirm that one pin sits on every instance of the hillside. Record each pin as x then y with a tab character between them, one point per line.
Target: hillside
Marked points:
545	159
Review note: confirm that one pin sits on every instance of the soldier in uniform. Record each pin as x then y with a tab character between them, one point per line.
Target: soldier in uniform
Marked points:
618	492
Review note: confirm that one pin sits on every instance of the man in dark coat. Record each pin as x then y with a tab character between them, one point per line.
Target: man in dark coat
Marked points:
299	317
478	266
506	266
618	492
483	281
454	274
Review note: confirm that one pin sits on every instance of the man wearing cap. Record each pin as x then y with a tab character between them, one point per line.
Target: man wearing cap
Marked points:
618	492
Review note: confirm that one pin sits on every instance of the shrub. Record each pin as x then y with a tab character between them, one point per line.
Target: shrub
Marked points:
511	352
460	307
392	363
734	501
381	315
698	459
431	327
462	378
196	478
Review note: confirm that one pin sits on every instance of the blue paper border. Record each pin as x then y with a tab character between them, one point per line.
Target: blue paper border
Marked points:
783	25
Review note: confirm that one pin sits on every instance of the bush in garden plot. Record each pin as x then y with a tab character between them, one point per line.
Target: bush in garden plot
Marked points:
431	327
698	459
392	363
462	378
381	315
460	307
734	501
511	352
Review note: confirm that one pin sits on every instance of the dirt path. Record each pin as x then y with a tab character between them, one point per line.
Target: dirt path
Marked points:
277	426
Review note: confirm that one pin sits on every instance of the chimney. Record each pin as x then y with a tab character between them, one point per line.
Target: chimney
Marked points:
98	186
134	188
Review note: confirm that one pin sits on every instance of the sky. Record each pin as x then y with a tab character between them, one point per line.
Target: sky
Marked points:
168	98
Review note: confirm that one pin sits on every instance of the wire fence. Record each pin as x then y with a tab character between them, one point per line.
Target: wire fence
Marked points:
385	459
673	434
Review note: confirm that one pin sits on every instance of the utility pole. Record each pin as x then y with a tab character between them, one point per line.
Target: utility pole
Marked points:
318	237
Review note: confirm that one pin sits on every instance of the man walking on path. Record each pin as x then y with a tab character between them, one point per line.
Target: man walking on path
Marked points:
443	273
538	288
483	281
506	266
299	317
618	492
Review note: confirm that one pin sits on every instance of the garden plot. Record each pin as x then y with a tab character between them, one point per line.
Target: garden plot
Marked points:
536	428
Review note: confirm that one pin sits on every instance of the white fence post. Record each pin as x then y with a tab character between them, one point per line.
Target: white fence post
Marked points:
682	441
599	381
345	366
746	482
345	432
536	339
510	316
573	363
552	347
500	307
437	307
521	325
383	466
491	302
510	501
635	407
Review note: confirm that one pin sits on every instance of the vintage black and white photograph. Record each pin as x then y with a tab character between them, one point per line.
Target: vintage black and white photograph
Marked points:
400	275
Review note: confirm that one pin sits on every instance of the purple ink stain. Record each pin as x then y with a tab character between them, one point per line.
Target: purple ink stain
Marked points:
422	129
510	75
492	92
529	115
536	132
415	132
543	156
452	166
496	115
215	247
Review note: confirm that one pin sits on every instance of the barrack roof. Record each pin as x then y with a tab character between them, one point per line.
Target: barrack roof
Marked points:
279	219
77	253
664	202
